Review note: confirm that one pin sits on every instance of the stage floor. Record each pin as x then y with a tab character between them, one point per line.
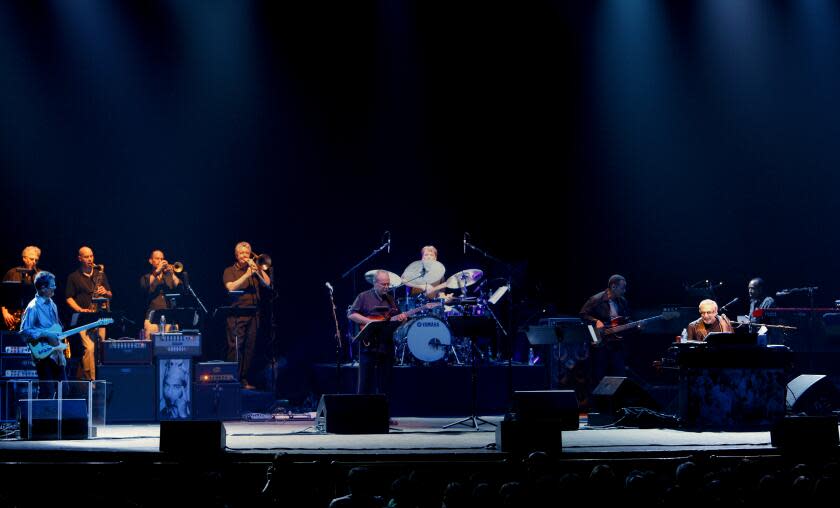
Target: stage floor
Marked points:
409	436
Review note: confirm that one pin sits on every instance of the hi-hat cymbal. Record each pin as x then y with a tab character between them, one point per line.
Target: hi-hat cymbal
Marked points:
464	278
420	273
396	282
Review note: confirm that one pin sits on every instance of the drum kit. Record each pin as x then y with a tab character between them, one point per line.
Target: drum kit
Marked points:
427	337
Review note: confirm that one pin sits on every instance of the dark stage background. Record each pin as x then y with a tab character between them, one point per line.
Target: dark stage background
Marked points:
669	142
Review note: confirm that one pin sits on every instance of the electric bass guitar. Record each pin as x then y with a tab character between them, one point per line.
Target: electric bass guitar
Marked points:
40	348
610	333
408	314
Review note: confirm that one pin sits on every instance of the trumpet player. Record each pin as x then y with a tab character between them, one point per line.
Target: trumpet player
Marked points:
161	279
246	276
83	285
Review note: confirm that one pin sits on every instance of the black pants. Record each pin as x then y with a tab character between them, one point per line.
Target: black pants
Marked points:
375	372
49	373
242	331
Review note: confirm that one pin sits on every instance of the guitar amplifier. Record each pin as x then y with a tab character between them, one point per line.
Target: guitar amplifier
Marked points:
125	351
17	367
216	372
12	343
177	344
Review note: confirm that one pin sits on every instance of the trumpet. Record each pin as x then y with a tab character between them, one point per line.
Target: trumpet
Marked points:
263	261
176	267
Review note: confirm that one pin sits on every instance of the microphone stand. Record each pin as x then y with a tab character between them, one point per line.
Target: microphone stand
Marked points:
509	268
338	345
190	289
352	270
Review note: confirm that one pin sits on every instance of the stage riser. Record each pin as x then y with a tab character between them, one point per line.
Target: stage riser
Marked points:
441	391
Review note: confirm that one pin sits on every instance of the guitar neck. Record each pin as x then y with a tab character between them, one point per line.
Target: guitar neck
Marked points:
627	326
82	328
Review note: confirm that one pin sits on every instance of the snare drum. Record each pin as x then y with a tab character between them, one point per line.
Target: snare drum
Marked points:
427	338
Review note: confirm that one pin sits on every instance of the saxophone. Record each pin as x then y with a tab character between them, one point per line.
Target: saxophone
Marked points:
97	277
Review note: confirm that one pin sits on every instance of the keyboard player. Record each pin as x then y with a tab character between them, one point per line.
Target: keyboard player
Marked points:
708	322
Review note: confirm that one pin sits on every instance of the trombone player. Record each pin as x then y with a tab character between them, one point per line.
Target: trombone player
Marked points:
244	275
155	284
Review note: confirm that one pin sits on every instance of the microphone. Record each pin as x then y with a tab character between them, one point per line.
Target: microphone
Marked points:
728	304
329	286
389	241
465	241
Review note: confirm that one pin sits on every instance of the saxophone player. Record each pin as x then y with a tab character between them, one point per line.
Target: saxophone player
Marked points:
83	285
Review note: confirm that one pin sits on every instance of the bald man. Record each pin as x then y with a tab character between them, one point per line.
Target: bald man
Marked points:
83	286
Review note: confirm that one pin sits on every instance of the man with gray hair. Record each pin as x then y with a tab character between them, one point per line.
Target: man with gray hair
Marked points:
23	274
375	360
245	276
709	322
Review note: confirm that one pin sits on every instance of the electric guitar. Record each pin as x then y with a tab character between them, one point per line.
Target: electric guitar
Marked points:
42	349
408	314
609	333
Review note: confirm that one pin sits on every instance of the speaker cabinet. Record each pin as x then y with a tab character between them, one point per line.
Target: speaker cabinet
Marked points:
192	437
352	414
217	401
130	392
45	419
614	393
551	407
812	394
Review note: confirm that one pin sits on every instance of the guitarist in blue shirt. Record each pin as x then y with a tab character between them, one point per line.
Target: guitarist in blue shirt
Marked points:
38	324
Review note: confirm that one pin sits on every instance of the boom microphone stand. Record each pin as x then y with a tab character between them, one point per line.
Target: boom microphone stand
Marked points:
352	270
509	268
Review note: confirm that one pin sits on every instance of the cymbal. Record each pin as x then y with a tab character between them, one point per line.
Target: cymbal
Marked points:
396	282
420	274
464	278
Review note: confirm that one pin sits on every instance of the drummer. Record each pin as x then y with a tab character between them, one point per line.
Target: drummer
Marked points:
433	289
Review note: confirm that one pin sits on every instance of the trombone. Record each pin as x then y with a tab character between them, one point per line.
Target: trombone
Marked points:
263	261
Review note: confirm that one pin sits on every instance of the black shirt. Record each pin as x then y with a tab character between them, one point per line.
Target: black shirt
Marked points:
370	304
25	278
251	295
80	287
154	293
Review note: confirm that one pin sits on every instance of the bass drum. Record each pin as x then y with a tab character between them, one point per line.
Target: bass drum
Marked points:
428	338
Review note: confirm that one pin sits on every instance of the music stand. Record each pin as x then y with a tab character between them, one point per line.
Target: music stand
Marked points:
472	327
377	332
83	318
573	330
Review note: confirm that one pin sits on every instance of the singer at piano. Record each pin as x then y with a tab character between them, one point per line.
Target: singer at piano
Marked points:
23	274
37	324
244	275
83	285
708	322
605	309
